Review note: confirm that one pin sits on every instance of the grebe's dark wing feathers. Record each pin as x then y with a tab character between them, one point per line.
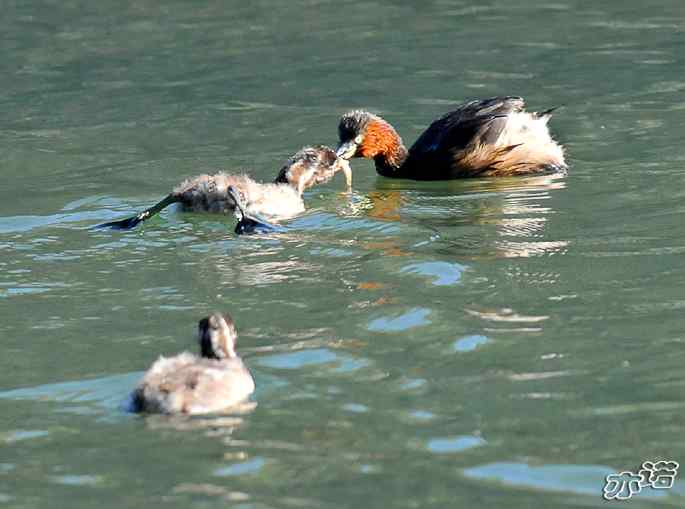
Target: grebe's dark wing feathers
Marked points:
478	122
494	106
455	130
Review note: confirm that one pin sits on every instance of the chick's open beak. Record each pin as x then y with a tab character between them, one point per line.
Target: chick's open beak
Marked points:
347	149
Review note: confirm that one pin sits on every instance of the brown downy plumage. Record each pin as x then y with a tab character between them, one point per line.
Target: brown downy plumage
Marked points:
189	384
311	166
279	200
482	138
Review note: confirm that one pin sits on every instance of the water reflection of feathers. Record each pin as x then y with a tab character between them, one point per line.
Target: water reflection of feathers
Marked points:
518	209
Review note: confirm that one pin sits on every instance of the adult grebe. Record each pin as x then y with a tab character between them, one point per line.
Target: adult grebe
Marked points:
481	138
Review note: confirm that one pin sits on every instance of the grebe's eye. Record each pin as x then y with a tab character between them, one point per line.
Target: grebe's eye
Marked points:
358	139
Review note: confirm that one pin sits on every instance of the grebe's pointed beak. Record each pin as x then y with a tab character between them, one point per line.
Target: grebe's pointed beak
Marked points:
347	149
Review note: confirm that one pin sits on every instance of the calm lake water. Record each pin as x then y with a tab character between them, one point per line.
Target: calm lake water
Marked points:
490	343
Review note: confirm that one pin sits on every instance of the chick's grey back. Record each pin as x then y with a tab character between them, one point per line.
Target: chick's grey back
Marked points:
190	384
209	193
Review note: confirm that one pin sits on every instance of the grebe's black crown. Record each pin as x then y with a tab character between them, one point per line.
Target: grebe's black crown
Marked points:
353	123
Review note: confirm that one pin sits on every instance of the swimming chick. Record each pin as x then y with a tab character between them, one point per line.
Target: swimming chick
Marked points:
279	200
481	138
189	384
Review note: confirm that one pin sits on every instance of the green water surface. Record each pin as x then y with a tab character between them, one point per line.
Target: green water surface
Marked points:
491	343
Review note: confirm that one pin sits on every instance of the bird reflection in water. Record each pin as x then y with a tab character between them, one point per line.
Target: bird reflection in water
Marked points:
216	424
517	207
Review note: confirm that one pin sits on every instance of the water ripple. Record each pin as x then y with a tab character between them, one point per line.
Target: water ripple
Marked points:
413	318
469	343
247	467
582	479
444	273
454	444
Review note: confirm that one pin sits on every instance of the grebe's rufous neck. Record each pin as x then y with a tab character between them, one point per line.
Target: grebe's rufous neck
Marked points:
189	384
481	138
